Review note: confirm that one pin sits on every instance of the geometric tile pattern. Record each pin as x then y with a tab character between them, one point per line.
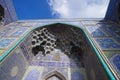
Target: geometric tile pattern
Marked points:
24	50
116	62
54	57
65	50
9	35
19	32
33	74
5	42
95	31
14	66
6	30
112	29
108	44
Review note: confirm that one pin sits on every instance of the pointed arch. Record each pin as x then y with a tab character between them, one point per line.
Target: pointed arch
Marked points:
52	74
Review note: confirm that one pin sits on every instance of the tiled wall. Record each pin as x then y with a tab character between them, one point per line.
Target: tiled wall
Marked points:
14	66
60	58
103	37
106	37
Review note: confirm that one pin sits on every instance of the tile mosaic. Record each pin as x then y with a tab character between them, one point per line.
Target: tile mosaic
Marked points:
109	40
95	31
27	42
33	75
113	30
111	46
14	62
19	32
115	59
5	42
108	44
24	50
7	30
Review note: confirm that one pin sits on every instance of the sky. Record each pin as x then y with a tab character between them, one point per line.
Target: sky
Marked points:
50	9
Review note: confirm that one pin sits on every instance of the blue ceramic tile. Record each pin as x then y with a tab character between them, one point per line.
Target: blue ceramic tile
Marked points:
13	60
115	45
105	46
104	40
24	50
107	43
6	30
95	31
33	75
51	64
98	33
5	42
112	29
116	62
19	32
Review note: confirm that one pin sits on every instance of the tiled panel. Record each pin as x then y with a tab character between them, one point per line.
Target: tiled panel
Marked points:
27	42
19	32
33	74
7	30
112	29
95	31
114	56
108	44
5	42
24	51
14	66
115	59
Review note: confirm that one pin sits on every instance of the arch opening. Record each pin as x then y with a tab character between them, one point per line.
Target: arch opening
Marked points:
65	49
54	76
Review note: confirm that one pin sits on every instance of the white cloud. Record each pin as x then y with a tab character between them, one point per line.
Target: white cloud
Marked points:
78	8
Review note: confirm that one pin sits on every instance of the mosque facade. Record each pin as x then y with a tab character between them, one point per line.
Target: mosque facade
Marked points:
62	49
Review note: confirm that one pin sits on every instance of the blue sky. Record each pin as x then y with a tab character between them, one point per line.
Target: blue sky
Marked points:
47	9
32	9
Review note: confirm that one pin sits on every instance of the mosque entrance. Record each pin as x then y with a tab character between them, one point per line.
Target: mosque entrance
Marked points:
61	48
63	52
